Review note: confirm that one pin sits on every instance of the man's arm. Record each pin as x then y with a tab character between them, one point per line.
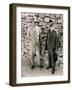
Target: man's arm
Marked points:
58	41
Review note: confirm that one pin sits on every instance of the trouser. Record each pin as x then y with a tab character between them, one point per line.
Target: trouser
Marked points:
51	58
33	59
41	60
36	57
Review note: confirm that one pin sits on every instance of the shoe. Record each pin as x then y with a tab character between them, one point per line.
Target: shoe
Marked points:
53	70
40	66
48	67
32	67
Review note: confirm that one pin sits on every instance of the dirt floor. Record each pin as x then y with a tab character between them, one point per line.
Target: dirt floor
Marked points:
26	70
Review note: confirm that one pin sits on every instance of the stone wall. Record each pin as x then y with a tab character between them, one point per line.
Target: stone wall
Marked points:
43	19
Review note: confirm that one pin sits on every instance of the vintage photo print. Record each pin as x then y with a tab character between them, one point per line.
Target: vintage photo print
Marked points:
42	45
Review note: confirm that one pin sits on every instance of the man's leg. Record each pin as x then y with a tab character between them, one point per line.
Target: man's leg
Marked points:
53	62
49	60
41	62
33	62
33	58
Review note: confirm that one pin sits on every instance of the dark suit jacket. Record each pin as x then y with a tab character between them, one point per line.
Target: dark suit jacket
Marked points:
51	41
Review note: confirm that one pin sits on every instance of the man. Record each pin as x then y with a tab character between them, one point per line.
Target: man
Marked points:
38	43
35	36
51	46
31	35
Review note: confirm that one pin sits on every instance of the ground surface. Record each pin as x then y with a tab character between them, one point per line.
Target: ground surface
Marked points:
26	70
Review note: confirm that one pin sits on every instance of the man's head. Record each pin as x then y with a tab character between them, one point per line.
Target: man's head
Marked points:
36	22
51	23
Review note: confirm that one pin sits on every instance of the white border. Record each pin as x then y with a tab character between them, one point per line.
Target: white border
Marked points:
63	77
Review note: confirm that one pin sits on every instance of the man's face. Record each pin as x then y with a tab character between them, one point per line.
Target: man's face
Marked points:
33	24
36	23
51	24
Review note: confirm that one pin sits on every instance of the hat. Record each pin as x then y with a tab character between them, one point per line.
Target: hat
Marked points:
50	20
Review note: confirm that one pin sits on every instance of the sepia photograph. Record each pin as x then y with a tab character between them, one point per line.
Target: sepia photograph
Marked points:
39	44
